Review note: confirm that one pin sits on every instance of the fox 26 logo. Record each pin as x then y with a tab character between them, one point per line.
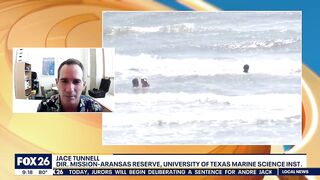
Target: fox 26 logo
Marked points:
33	161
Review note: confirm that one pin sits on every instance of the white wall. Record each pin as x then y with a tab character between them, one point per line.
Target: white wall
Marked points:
102	67
109	54
34	56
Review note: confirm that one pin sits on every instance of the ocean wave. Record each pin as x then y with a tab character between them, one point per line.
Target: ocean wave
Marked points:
250	44
193	28
148	65
175	120
156	109
262	100
266	44
174	28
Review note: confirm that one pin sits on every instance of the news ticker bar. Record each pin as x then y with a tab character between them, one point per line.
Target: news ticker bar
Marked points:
133	165
171	172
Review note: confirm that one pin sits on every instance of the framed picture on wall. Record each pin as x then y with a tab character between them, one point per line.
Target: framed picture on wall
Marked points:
48	66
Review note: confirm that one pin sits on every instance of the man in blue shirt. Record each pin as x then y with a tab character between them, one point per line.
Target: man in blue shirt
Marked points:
70	83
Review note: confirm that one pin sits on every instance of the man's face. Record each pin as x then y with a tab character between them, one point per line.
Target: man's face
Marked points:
70	84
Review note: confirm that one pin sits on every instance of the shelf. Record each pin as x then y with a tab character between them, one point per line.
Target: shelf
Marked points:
23	80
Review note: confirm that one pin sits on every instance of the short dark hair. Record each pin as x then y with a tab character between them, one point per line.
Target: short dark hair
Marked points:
70	62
